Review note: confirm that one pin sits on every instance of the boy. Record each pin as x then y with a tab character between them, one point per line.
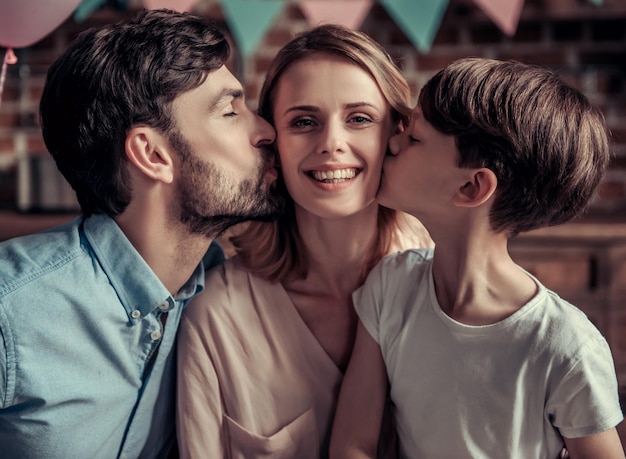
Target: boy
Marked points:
482	360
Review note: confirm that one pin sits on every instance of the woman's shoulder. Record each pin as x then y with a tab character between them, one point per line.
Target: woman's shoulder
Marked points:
410	234
229	286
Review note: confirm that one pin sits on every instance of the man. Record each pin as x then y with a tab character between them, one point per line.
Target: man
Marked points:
151	130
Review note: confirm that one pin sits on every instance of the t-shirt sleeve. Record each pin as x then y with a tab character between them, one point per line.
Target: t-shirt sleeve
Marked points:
387	290
586	400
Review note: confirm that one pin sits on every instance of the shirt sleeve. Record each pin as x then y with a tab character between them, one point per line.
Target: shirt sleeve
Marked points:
7	364
200	428
586	400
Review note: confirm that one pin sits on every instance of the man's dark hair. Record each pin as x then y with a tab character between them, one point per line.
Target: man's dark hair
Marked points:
113	78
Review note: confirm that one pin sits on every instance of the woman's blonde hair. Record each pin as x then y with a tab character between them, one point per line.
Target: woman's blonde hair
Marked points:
274	250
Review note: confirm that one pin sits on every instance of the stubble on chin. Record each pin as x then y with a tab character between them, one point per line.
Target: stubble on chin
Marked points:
210	202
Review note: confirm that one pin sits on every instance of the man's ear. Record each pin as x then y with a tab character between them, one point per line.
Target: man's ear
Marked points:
150	152
479	187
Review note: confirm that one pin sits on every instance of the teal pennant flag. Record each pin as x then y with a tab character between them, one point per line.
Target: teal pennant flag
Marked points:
87	7
249	20
419	19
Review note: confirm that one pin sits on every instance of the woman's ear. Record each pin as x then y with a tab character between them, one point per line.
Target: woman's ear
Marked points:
478	189
150	152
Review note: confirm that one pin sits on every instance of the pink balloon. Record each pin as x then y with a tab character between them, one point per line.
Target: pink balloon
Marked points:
24	22
176	5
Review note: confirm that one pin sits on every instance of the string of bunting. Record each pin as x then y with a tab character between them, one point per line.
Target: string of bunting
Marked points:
24	22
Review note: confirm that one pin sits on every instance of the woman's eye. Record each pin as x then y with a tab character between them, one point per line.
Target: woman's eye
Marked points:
302	122
360	119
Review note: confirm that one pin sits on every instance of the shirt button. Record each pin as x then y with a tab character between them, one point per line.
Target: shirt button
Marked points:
164	306
155	335
136	314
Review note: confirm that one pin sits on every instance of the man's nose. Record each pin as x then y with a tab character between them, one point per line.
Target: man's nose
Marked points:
265	133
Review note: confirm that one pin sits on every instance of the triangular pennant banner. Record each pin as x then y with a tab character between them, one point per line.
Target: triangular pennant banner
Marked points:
249	20
419	19
349	13
87	7
504	13
176	5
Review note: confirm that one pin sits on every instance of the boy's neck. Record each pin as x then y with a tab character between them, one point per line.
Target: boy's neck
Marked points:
477	282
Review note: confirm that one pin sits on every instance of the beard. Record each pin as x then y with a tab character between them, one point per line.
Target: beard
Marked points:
211	201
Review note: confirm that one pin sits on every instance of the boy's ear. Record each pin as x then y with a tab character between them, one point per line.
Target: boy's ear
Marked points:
150	152
400	127
479	187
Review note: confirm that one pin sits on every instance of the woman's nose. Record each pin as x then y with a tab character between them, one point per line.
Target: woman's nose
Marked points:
332	139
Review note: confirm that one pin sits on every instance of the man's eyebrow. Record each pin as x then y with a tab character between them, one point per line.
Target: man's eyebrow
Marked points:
223	96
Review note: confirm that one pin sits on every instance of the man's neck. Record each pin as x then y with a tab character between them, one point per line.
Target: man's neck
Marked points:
170	251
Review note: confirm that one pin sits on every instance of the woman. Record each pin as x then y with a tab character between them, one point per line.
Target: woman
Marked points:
263	349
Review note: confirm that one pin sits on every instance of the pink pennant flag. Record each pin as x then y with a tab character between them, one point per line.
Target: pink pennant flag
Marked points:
349	13
505	13
184	6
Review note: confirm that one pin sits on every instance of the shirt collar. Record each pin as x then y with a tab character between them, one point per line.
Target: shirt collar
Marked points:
137	286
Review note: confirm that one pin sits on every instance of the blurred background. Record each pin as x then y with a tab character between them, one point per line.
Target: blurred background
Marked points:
583	40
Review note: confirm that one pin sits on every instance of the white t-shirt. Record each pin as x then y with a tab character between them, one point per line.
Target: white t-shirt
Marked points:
509	389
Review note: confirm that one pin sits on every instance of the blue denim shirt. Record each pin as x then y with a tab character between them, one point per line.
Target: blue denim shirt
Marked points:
79	321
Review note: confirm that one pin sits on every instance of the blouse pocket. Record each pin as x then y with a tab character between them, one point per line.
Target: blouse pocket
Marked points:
298	439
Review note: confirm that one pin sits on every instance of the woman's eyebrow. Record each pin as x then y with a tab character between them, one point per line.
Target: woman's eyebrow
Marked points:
302	108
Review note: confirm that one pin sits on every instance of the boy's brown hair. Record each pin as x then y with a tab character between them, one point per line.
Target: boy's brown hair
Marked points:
545	142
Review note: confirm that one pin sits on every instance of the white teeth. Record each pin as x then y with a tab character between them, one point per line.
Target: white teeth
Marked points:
339	174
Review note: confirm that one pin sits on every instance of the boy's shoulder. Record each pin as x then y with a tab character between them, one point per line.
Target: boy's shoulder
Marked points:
406	259
567	321
405	266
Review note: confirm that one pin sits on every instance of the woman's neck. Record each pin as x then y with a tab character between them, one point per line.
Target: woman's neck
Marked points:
336	249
